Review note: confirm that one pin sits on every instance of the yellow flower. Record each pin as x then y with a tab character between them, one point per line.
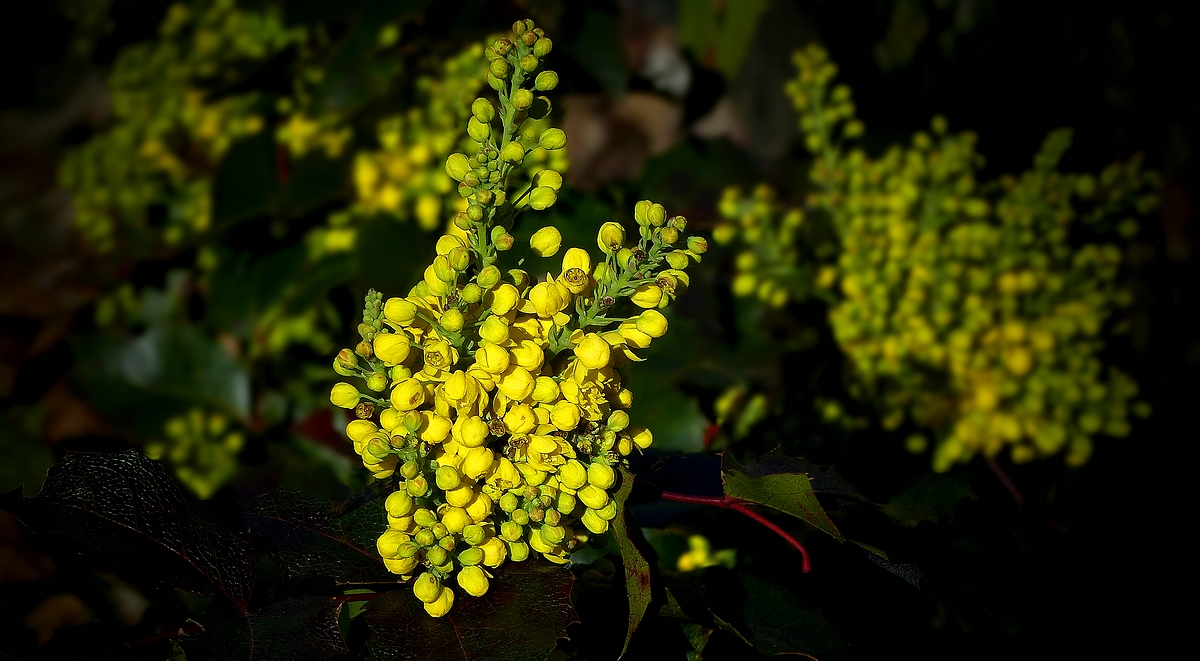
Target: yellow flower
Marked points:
652	323
479	460
545	390
565	416
546	241
546	299
505	297
611	237
408	395
344	395
391	348
442	605
473	580
515	383
593	352
492	358
520	419
647	296
470	431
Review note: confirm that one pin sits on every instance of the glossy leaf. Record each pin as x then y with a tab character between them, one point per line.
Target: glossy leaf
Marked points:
774	484
311	538
526	609
126	510
637	569
303	629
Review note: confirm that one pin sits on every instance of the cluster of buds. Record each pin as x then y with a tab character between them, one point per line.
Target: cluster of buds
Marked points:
202	448
168	129
971	309
493	398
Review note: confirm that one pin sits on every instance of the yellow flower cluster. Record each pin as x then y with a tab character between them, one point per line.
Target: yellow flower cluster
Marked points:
202	448
771	264
493	398
168	135
700	554
975	310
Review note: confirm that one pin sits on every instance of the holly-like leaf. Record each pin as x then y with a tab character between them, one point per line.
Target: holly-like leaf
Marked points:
823	480
931	497
526	609
760	613
637	569
776	486
311	538
127	511
906	571
303	629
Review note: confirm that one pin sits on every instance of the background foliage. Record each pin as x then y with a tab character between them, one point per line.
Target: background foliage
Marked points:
196	200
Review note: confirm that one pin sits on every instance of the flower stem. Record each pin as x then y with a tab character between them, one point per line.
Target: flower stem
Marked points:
739	505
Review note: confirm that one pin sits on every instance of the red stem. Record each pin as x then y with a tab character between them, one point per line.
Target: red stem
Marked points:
739	505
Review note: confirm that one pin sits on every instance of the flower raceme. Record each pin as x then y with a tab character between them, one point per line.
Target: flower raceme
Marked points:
493	400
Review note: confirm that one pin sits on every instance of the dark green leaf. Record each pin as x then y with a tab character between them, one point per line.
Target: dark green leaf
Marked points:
304	629
527	608
310	538
789	492
760	613
126	510
903	570
170	363
637	569
930	498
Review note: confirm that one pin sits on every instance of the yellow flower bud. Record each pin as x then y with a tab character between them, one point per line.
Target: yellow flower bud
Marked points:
609	511
545	81
477	130
472	431
547	178
593	522
444	602
495	551
427	587
495	330
592	496
652	323
483	110
618	420
611	237
529	355
489	276
547	299
459	387
593	352
516	383
447	478
565	416
455	519
542	197
545	390
478	461
513	153
457	166
642	437
647	296
344	395
480	507
345	362
473	581
391	348
358	430
435	428
461	496
398	504
518	551
601	475
402	566
408	395
492	358
553	138
520	419
389	542
546	241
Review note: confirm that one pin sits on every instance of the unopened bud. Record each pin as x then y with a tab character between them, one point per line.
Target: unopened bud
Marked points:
545	81
457	166
483	110
610	237
522	99
553	138
542	197
542	46
513	153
